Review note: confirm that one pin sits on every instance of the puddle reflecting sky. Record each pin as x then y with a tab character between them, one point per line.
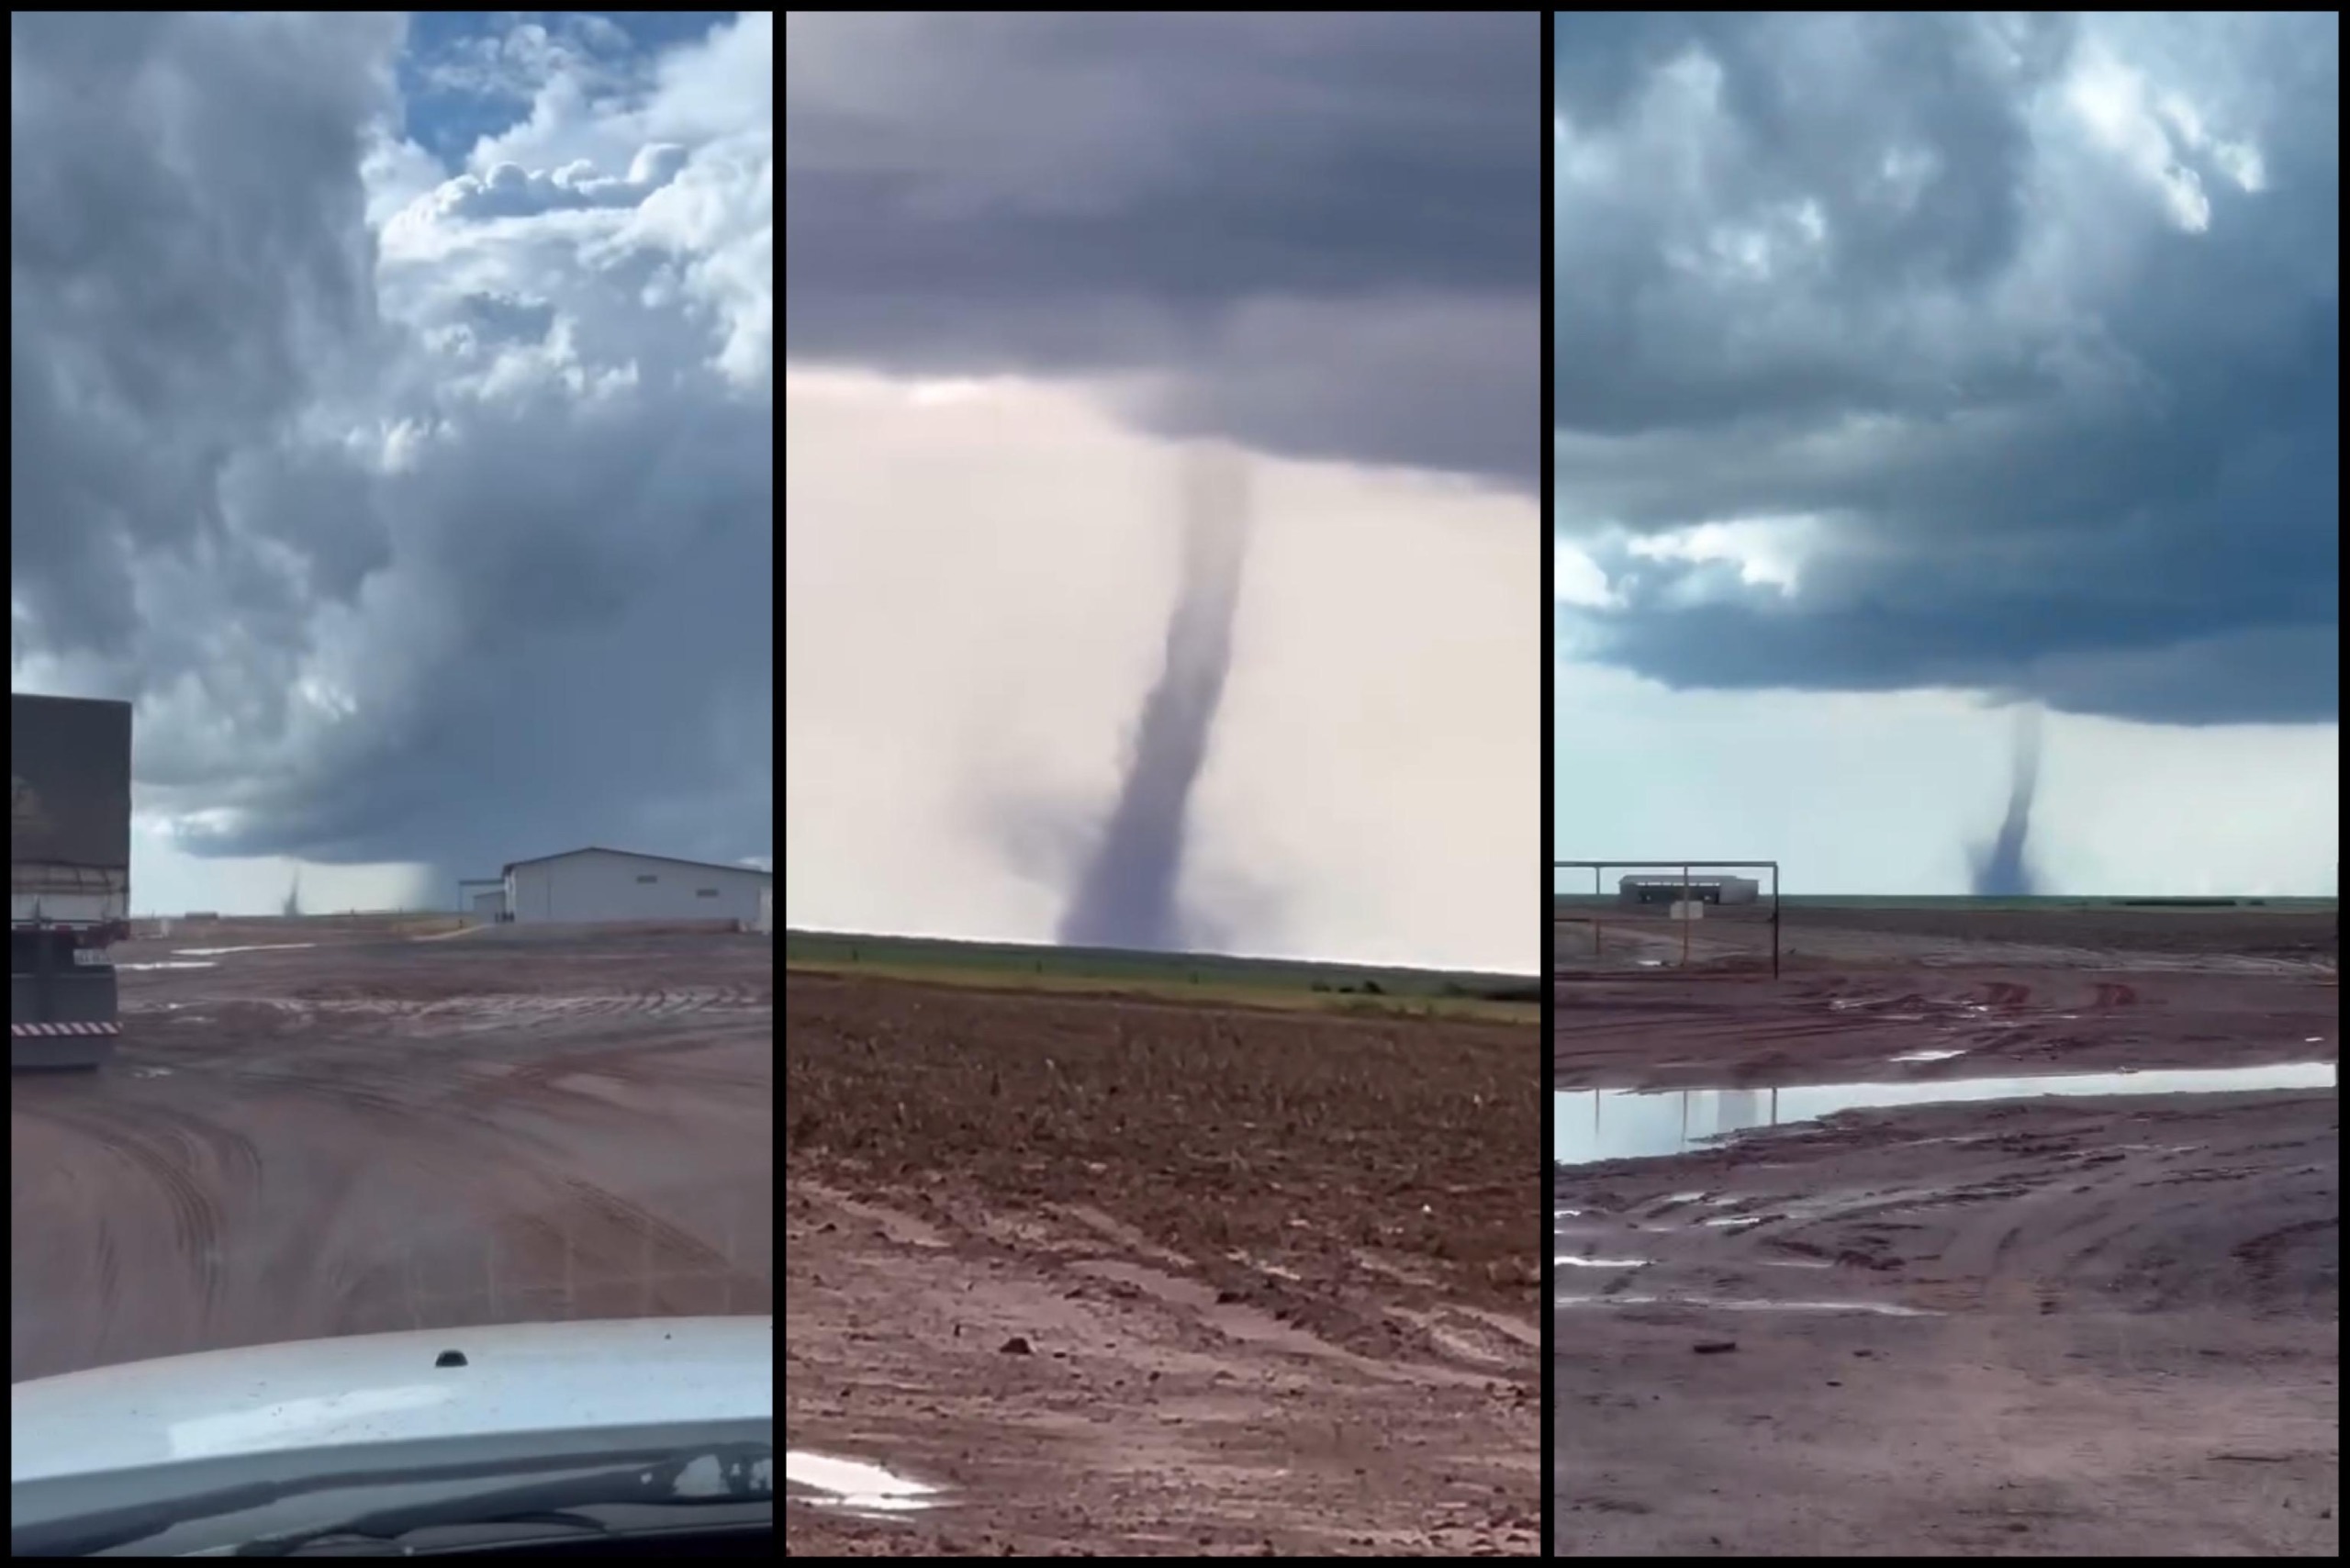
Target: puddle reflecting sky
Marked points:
1622	1124
1881	1309
855	1484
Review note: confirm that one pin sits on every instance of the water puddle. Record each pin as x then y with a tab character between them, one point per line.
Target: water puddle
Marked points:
854	1485
255	947
1931	1055
1601	1262
172	964
1881	1309
1625	1124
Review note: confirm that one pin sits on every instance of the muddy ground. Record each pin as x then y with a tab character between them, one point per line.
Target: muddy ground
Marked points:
2076	1325
1121	1276
1589	940
378	1132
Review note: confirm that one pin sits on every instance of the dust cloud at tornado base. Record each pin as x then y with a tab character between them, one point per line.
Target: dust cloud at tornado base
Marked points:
1127	894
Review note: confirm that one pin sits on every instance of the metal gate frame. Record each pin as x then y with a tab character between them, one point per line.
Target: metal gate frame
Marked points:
1685	867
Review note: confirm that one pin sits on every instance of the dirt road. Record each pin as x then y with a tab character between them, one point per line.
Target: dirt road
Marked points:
1124	1276
372	1132
2097	1326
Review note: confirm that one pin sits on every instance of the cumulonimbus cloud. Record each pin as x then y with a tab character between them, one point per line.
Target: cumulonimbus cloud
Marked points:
2033	323
393	511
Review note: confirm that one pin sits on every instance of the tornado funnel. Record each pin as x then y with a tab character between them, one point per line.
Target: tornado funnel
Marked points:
1127	894
2004	870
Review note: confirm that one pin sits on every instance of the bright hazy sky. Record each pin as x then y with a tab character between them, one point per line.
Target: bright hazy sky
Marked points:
1027	259
1908	366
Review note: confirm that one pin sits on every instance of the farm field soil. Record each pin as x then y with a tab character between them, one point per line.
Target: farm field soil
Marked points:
2091	1326
336	1128
1122	1276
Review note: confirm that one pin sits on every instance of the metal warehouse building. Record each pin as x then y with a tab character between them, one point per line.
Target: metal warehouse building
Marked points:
614	885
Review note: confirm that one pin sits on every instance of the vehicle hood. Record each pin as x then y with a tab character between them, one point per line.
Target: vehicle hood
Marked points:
516	1380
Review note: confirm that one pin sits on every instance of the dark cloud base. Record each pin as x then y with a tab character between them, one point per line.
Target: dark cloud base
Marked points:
2053	440
1318	235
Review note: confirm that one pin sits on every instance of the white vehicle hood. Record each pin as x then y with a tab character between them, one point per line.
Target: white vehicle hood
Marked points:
513	1379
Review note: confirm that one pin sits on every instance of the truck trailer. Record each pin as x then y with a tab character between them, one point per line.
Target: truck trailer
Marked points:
69	877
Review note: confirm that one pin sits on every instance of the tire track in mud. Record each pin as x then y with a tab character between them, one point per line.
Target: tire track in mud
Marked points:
497	1157
352	1073
352	1016
426	1133
458	1150
638	1223
109	1273
1988	1225
2067	1216
2258	1254
125	1136
1400	1332
637	1065
65	1188
603	1241
421	1150
1853	1024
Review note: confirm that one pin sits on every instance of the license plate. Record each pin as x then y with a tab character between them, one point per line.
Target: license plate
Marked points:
90	957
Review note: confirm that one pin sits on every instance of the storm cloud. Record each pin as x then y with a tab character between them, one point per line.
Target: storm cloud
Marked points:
425	508
1998	354
1317	235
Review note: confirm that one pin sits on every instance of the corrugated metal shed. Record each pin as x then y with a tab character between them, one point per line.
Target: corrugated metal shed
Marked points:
597	884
